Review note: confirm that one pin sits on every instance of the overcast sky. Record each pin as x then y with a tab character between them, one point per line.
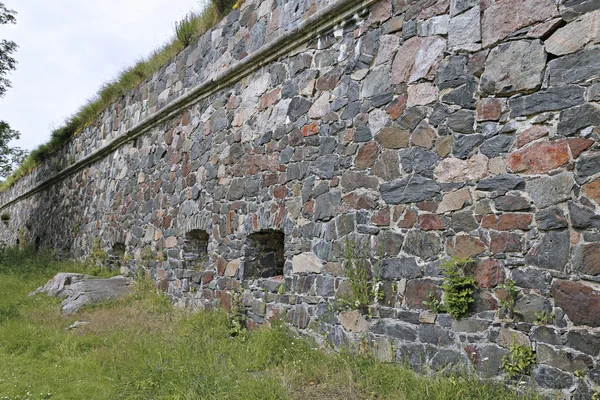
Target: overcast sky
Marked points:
68	48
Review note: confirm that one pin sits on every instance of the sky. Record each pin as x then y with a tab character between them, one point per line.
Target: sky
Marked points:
68	48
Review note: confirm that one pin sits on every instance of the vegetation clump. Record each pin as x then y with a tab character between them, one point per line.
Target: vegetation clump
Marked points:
140	347
519	359
358	268
459	288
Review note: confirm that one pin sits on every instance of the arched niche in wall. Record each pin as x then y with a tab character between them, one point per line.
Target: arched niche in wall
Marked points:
195	249
265	254
116	255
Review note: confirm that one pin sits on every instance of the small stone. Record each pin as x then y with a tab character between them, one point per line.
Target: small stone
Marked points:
588	165
456	170
327	205
419	291
551	218
306	263
463	146
443	146
575	35
421	94
423	244
367	155
488	273
462	121
298	107
464	31
489	109
592	190
497	145
551	99
550	190
511	203
559	359
573	68
454	201
502	182
531	305
411	189
583	217
395	330
416	57
505	242
502	18
392	137
376	82
514	67
320	107
586	258
353	321
423	135
464	246
552	252
400	267
463	221
531	134
531	278
437	25
506	337
573	119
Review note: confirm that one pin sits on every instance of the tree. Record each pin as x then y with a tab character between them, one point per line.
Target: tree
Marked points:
10	157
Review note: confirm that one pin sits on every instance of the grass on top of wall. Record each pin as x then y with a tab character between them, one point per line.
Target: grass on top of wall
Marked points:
143	348
186	31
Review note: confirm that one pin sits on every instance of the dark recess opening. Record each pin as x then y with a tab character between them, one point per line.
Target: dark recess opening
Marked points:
116	256
265	254
195	249
38	243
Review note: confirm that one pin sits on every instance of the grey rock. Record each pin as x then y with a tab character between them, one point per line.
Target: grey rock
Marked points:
425	245
497	145
324	166
414	355
462	93
400	267
514	67
532	278
325	286
411	189
448	359
327	205
547	334
464	31
390	243
584	341
463	221
435	335
550	190
464	145
419	161
552	252
458	6
551	218
451	68
573	119
531	305
588	165
583	217
502	182
511	203
551	378
376	82
462	121
573	68
555	98
298	107
395	330
490	360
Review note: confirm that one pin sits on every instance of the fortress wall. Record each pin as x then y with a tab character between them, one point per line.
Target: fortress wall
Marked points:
412	131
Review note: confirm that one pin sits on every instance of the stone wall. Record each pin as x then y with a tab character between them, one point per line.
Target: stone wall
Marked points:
423	130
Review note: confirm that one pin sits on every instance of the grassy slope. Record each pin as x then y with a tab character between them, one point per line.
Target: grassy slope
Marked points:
141	348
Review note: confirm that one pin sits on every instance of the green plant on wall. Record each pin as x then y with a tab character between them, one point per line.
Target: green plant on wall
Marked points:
98	256
519	359
508	301
459	288
358	268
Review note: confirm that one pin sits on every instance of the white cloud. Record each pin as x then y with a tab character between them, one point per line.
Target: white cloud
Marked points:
68	48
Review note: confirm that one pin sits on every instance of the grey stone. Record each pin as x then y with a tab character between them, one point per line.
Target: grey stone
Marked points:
573	68
555	98
552	252
462	93
451	68
547	334
583	217
584	341
362	134
414	355
400	267
571	9
325	286
395	330
511	203
588	165
419	161
462	121
448	359
514	67
463	221
490	360
464	145
502	182
435	335
425	245
497	145
298	107
437	25
551	218
327	205
551	378
550	190
531	278
390	243
411	189
586	258
458	6
324	166
464	31
376	82
575	118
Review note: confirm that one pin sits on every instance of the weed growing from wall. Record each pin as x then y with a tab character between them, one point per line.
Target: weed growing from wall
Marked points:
459	288
237	316
519	359
508	301
359	268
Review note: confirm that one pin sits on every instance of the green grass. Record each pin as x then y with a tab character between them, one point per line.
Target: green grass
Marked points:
186	31
142	348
